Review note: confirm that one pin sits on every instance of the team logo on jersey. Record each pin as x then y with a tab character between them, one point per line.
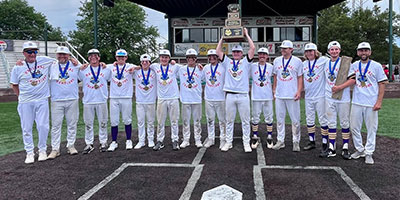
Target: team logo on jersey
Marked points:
94	81
213	80
63	78
285	73
37	74
363	80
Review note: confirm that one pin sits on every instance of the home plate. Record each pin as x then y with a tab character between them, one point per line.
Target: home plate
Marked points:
222	192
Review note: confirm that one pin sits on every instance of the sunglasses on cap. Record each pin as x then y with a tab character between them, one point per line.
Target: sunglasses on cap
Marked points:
31	51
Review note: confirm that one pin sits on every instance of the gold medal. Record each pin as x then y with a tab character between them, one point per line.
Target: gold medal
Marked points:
146	88
261	84
34	83
363	84
212	82
234	74
96	86
332	78
284	75
63	80
119	84
190	85
164	82
309	80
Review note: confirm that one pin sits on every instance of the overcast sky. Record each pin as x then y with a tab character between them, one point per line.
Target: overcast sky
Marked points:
64	13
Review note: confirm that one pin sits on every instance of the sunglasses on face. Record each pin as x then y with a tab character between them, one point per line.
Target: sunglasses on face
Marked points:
31	52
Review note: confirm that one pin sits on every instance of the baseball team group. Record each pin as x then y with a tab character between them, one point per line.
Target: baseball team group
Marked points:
231	85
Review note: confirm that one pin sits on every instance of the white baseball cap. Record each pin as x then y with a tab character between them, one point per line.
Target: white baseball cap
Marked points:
165	52
93	51
286	44
310	46
211	52
237	48
63	49
29	45
191	52
334	44
263	50
364	45
121	52
145	57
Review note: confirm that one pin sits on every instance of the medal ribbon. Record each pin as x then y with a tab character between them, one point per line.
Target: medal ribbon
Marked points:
287	64
262	73
33	74
311	69
164	76
145	80
95	77
235	66
332	71
119	75
213	72
190	75
63	72
363	75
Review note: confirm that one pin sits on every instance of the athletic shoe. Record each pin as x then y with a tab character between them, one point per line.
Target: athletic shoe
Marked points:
184	144
226	146
139	145
72	151
208	143
357	155
103	147
331	153
30	158
42	156
159	145
255	141
324	151
369	159
278	145
89	148
310	145
113	146
175	146
221	143
247	147
53	154
296	147
198	144
346	154
150	144
270	143
128	145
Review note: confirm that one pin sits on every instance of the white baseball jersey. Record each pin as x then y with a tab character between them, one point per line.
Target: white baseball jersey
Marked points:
64	83
91	94
329	83
167	87
145	94
190	90
261	89
33	85
286	87
367	95
237	80
123	87
314	81
213	91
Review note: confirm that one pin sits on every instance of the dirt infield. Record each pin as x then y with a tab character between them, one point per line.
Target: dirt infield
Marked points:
169	174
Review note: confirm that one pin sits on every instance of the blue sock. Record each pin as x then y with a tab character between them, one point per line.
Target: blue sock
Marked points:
114	133
128	130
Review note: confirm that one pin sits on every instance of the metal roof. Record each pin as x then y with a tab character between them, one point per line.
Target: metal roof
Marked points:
218	8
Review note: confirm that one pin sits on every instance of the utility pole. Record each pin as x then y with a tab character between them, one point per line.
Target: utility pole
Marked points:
45	38
95	22
390	40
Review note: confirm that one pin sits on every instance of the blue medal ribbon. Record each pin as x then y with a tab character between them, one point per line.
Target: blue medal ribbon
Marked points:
287	64
119	75
235	66
95	77
164	75
311	69
190	75
63	72
332	71
145	80
213	72
262	73
363	75
33	74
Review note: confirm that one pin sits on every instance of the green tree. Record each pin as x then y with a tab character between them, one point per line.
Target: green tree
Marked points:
20	21
351	28
122	26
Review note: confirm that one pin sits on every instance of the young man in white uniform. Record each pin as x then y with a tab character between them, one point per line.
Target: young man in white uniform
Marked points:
64	101
314	88
190	77
214	95
334	107
288	76
29	81
261	97
237	71
167	99
95	94
146	95
369	79
121	92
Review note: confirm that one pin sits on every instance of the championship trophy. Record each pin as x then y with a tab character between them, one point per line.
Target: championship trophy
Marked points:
233	30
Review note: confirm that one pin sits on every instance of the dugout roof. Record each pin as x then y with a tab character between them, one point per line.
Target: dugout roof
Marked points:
218	8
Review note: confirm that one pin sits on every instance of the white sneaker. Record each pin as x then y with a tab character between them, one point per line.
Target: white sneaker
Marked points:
278	145
226	146
296	147
128	145
221	143
30	158
369	159
208	143
139	145
53	154
247	148
42	156
198	144
151	143
184	144
113	146
72	151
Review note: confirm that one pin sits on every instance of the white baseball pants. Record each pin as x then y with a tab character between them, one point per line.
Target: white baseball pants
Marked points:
145	113
164	107
370	117
215	108
241	103
89	111
293	108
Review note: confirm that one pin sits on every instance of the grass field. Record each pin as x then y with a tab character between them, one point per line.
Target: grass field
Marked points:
11	136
